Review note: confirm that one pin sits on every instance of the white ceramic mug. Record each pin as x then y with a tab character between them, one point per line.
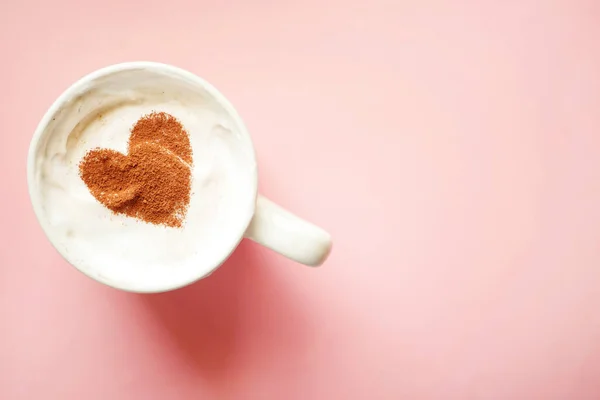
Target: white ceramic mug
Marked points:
267	223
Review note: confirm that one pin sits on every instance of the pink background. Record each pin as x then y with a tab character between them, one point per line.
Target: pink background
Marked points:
452	149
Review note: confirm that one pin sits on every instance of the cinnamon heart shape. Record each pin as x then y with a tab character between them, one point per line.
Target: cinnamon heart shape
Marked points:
152	182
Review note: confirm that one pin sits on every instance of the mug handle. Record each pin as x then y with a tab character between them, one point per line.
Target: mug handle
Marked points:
287	234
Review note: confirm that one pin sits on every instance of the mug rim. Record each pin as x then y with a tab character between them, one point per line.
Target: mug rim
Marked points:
67	95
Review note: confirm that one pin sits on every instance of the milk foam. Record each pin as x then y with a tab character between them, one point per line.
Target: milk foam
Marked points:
124	251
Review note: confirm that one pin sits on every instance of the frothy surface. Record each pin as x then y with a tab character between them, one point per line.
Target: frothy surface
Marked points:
122	250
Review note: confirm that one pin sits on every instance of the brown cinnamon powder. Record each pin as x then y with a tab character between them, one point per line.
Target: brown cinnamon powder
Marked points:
152	182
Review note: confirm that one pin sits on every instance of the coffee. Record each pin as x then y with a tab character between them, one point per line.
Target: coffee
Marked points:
118	246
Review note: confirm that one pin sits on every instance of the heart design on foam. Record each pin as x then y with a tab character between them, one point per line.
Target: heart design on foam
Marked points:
152	181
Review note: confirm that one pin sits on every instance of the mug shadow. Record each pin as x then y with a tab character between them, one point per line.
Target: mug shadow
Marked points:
228	321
